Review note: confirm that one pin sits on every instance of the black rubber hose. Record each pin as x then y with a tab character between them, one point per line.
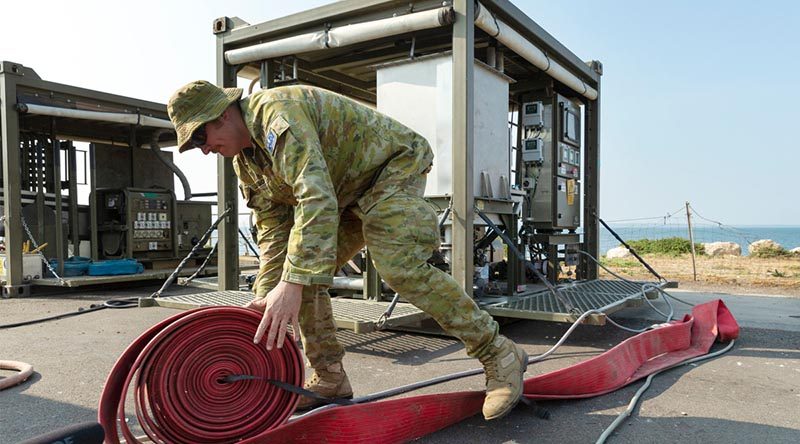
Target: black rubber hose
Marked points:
111	303
156	148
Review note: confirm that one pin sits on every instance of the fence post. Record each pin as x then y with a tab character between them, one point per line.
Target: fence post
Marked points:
691	239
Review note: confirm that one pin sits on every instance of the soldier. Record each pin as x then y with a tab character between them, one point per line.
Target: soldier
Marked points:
325	175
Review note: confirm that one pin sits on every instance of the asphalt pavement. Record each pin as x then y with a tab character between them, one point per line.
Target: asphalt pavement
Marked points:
751	394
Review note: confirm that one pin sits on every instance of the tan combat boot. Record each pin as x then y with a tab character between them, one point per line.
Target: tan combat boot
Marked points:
505	365
330	382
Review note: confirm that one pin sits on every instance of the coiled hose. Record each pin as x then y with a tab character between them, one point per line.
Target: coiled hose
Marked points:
176	369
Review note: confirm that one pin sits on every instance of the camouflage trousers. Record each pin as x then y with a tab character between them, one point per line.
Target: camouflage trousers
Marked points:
401	232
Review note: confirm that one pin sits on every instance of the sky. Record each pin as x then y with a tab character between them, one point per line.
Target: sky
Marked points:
697	97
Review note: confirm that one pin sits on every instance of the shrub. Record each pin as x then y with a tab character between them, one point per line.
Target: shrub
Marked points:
620	262
671	246
769	252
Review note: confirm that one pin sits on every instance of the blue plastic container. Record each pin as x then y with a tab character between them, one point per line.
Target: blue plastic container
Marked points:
115	267
74	266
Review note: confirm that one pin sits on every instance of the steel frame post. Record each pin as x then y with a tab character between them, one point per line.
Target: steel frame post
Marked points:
372	280
515	274
12	210
56	147
463	107
72	171
41	185
591	187
93	203
227	192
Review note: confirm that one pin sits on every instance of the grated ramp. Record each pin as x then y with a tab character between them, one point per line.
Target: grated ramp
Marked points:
352	314
607	296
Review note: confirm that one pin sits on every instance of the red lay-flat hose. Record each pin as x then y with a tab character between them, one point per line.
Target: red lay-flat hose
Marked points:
176	368
179	383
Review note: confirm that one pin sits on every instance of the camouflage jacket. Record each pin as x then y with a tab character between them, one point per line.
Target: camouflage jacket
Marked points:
314	154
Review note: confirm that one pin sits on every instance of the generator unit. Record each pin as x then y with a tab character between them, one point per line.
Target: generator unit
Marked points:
60	141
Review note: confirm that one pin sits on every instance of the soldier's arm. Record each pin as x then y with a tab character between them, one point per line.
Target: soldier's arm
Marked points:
273	222
298	160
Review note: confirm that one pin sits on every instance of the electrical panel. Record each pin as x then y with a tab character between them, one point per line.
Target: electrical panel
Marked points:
533	150
193	219
532	115
152	215
552	159
136	223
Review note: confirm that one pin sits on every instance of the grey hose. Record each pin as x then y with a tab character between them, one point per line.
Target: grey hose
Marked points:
635	400
187	190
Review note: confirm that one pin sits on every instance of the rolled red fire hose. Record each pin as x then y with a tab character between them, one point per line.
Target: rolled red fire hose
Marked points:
392	421
178	366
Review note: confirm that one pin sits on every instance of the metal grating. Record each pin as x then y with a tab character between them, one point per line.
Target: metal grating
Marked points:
353	314
607	296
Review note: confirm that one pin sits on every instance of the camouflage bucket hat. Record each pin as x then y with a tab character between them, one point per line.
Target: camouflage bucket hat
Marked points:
196	104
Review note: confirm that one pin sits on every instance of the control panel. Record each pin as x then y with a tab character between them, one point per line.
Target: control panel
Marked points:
152	214
533	150
552	158
135	223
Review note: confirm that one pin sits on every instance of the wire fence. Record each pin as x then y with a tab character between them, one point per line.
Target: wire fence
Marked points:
675	224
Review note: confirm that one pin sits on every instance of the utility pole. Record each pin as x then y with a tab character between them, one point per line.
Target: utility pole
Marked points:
691	238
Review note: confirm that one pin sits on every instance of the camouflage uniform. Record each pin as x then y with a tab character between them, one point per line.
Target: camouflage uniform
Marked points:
328	175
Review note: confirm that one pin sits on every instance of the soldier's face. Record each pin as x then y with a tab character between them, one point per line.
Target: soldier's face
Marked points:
227	135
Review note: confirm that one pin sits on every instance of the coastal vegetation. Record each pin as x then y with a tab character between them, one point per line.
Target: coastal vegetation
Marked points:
671	246
777	273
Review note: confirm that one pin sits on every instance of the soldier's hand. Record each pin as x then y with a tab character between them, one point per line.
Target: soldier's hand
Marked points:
281	308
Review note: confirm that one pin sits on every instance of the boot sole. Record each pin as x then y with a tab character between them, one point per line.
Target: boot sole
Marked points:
523	367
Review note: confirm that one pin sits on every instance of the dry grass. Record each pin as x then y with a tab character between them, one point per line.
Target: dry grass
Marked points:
720	274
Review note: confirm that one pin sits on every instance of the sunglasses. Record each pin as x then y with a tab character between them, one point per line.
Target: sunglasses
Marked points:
198	138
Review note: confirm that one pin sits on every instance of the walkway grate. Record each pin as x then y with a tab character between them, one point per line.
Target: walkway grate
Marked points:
352	314
607	296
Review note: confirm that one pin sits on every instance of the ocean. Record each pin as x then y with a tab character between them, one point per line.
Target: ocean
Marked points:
787	236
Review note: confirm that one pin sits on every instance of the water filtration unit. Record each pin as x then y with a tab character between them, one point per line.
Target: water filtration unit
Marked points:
511	114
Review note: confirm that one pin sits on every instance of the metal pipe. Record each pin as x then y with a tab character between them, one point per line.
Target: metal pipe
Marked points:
352	284
187	189
347	283
515	41
53	111
342	36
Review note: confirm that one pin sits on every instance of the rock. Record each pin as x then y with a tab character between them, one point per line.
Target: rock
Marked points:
764	245
795	251
722	249
618	253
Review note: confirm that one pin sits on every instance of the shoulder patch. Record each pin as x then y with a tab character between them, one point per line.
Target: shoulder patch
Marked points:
271	139
277	127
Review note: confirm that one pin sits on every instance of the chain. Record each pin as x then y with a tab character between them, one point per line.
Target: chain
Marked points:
41	255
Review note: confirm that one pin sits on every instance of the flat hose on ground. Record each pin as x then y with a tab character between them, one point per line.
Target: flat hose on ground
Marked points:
181	383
